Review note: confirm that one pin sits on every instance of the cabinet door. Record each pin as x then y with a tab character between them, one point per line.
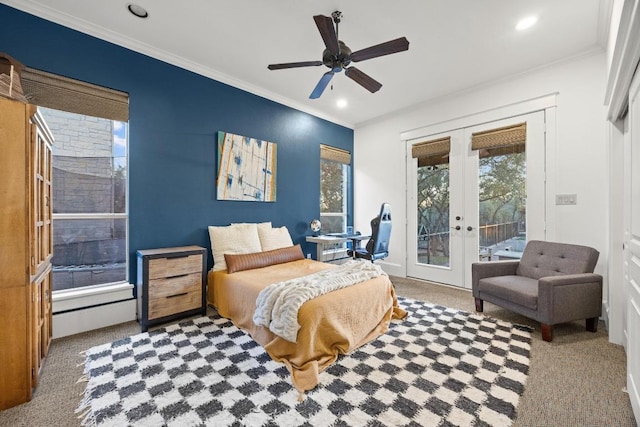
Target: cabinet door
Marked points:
41	321
48	201
40	192
34	197
45	312
35	330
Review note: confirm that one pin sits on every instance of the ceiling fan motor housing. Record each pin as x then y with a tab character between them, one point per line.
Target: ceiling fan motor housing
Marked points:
337	62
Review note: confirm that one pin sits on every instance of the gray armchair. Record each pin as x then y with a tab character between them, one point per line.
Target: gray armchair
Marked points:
552	283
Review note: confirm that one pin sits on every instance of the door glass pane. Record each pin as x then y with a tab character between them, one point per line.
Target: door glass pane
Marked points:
433	215
502	203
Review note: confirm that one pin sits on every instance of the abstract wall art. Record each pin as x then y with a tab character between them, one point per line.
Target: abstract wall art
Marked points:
246	168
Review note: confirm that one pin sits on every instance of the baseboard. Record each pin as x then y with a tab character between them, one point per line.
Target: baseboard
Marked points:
75	322
392	269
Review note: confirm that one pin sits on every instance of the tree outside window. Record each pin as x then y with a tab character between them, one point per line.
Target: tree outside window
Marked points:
333	196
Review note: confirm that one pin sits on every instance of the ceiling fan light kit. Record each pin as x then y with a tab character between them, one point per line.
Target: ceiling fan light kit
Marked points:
337	56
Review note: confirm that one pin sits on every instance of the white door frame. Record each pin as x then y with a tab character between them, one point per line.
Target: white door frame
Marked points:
547	104
623	302
631	283
463	206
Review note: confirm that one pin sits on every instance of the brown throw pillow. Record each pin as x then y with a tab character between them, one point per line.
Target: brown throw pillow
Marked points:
262	259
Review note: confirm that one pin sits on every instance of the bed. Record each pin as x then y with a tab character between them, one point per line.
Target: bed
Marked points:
331	324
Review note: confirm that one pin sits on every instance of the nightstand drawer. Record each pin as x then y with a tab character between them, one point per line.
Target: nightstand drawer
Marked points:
176	303
166	287
174	266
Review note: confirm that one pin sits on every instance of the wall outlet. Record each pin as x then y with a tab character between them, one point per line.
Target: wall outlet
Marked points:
566	199
308	256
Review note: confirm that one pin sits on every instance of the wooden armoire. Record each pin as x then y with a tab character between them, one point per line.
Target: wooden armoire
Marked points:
26	244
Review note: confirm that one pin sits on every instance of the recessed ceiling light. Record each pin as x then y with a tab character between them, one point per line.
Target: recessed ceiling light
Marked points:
527	22
137	10
341	103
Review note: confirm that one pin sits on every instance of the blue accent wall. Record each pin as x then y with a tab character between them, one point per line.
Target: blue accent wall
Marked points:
174	116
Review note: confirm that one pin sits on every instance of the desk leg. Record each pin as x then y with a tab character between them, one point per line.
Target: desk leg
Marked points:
355	245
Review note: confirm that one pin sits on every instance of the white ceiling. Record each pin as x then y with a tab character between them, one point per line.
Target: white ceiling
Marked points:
455	45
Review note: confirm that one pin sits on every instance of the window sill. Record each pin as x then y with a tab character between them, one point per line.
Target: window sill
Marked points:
75	299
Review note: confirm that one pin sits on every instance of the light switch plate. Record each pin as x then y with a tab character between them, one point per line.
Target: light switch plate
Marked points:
566	199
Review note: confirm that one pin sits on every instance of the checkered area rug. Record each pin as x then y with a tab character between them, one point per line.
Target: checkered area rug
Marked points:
438	367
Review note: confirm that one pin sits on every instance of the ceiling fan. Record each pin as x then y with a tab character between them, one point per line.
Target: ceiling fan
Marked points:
337	56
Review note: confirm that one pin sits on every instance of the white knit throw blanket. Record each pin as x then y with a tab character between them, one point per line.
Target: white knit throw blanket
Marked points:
278	304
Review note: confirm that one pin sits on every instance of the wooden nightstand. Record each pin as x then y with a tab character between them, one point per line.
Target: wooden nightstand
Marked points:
171	284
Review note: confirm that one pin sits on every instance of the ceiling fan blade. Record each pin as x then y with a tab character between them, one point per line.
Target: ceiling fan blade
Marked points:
322	84
393	46
328	33
363	79
294	65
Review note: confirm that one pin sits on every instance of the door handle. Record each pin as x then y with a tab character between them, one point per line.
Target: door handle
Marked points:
457	227
469	228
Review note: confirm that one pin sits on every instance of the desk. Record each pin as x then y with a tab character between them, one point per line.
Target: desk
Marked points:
325	241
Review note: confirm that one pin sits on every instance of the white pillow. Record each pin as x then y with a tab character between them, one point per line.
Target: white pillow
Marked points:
274	238
234	239
259	224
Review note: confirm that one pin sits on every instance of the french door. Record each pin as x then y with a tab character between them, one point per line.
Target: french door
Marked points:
474	193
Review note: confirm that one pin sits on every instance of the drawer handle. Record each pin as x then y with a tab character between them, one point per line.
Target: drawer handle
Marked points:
178	295
179	275
173	256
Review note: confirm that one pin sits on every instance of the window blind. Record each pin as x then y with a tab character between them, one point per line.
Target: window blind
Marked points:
433	152
334	154
504	140
66	94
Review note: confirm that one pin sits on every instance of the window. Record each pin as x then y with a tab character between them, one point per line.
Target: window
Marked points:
89	199
89	125
334	179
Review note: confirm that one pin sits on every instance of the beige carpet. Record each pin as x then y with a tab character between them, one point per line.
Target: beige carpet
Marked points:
576	380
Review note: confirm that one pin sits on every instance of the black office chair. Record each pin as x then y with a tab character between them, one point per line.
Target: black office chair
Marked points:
378	245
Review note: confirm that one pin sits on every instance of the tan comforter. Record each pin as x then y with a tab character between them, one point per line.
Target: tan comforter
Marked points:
331	324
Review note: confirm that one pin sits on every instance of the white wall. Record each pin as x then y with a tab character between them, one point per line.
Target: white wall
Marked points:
580	152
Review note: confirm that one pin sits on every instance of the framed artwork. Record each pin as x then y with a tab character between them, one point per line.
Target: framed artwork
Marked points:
246	168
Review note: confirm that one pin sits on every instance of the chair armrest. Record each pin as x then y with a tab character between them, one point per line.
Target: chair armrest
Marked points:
569	297
481	270
569	279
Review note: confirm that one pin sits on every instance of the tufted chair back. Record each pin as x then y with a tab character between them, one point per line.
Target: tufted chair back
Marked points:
542	259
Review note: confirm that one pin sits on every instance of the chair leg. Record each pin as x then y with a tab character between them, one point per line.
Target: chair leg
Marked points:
479	305
547	332
592	324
